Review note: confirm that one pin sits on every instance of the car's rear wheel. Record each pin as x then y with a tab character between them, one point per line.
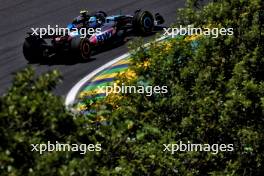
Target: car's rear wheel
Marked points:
81	48
33	50
143	22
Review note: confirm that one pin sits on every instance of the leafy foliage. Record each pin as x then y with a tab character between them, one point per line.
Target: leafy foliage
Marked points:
215	95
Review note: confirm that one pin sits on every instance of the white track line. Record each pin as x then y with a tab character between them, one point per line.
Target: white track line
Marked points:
71	96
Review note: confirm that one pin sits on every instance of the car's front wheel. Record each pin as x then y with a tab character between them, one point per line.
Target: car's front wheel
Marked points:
143	22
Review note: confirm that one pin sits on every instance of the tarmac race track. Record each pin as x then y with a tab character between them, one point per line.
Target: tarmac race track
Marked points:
18	16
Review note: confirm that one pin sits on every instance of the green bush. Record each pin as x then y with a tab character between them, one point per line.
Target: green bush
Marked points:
215	95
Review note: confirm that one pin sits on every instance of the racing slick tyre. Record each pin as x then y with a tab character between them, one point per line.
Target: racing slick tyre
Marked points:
81	48
33	50
143	22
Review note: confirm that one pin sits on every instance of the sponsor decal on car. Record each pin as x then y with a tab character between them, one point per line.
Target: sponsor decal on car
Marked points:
104	35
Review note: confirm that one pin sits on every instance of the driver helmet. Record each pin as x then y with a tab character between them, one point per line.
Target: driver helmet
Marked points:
93	22
84	13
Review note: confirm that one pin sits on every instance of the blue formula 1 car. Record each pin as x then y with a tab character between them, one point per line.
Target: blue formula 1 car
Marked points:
113	28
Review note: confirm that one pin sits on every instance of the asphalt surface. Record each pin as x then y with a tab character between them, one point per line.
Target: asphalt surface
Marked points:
17	17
